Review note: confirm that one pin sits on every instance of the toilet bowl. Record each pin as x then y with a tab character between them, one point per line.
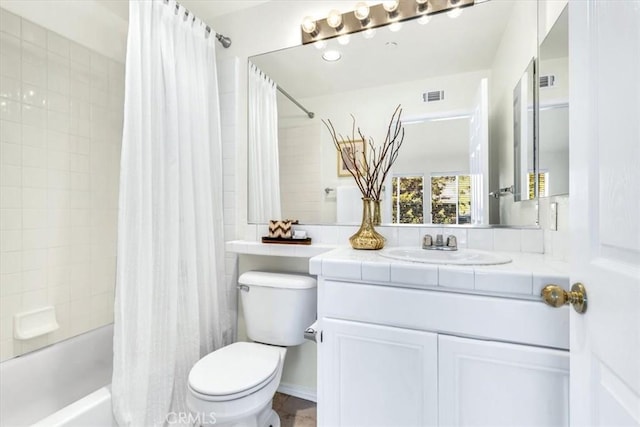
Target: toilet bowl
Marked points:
235	385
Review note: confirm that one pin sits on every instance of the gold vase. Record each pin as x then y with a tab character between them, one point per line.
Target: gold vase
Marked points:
367	237
377	216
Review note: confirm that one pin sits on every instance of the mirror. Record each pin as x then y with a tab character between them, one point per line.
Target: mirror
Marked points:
553	175
453	76
523	136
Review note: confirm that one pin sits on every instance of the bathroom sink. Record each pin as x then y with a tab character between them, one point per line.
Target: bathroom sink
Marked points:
459	257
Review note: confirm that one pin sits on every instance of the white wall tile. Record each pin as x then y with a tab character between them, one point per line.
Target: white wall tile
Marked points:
10	176
10	88
10	23
46	88
10	197
480	238
10	284
33	33
10	219
10	132
11	154
506	239
409	236
10	110
57	44
532	241
10	240
34	137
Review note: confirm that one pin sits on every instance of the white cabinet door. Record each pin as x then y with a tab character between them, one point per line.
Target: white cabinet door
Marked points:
497	384
604	54
373	375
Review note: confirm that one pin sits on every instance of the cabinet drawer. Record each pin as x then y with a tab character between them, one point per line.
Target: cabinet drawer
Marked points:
484	317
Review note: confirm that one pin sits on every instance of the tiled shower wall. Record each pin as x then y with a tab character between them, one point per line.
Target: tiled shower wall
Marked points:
229	91
61	108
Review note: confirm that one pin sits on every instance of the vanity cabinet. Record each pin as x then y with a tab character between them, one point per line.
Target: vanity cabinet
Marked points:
378	375
393	356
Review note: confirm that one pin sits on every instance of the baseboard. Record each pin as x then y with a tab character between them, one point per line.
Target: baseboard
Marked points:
302	392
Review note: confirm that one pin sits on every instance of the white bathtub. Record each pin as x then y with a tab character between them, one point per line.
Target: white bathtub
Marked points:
66	384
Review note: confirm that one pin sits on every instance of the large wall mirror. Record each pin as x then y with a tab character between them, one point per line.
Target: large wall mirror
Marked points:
553	174
454	77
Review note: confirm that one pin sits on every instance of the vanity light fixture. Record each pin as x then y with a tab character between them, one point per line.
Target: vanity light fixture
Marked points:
334	20
391	7
362	13
422	6
365	18
309	26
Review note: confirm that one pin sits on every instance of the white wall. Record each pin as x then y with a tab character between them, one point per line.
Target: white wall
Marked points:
61	108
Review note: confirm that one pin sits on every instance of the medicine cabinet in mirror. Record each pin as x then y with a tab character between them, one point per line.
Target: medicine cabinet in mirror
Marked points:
454	77
553	116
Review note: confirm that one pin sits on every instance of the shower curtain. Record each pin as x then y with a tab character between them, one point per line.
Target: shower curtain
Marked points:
264	173
171	306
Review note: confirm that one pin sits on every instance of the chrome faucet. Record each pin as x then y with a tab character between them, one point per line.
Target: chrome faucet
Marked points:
439	245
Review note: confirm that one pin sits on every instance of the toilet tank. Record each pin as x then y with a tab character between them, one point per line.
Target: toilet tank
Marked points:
277	307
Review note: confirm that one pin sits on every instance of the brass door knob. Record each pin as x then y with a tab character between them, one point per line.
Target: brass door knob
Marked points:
555	296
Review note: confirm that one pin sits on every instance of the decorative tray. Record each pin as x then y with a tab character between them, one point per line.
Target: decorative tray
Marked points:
286	241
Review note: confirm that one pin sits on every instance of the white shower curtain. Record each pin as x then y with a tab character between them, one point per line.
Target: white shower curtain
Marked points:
171	306
264	173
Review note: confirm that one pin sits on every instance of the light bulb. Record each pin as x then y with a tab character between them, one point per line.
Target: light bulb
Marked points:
334	20
308	25
390	6
362	11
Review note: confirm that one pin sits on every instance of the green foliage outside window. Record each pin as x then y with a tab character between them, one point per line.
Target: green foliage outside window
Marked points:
451	199
407	199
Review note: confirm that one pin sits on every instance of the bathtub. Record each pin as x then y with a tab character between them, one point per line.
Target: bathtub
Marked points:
66	384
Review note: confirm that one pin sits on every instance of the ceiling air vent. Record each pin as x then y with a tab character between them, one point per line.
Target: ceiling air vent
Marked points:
436	95
547	81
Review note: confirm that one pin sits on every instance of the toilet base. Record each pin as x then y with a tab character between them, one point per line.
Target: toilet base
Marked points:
266	417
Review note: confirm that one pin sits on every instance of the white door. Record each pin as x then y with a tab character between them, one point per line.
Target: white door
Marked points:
604	52
479	155
488	383
376	375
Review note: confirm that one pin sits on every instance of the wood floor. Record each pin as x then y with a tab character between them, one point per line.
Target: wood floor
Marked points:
294	412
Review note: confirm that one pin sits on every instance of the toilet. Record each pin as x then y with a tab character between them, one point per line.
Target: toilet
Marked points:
235	385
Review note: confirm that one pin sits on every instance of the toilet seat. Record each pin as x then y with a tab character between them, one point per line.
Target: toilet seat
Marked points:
234	371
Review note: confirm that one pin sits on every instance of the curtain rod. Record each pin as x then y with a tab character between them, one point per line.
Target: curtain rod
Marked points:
224	40
284	92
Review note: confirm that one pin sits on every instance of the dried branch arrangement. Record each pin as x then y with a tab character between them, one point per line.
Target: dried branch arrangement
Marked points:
370	170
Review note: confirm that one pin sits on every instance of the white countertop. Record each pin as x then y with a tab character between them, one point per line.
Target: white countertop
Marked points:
524	277
250	247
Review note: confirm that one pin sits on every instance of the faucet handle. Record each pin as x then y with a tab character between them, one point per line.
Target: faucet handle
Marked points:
427	241
452	242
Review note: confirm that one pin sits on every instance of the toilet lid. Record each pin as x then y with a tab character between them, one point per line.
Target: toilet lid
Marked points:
235	368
